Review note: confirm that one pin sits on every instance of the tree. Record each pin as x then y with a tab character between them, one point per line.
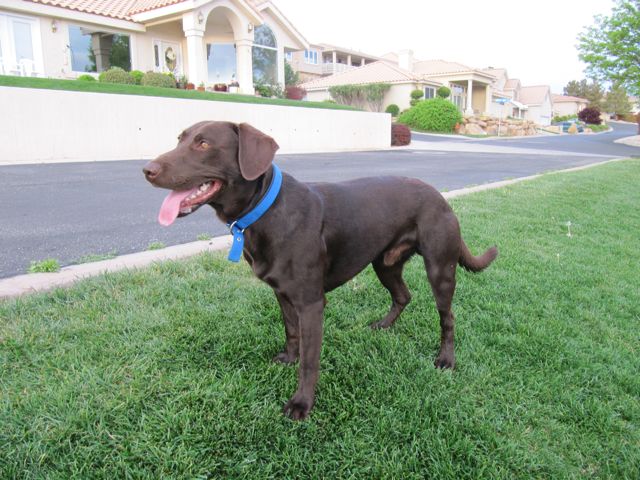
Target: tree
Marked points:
611	47
291	77
617	101
583	89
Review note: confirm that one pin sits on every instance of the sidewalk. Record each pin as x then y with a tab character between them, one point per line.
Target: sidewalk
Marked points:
477	147
633	141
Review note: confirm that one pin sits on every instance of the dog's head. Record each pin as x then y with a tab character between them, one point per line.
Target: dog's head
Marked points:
210	158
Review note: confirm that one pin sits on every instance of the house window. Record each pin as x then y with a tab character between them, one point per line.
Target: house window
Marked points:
429	92
288	56
221	62
265	56
311	57
93	51
20	46
458	97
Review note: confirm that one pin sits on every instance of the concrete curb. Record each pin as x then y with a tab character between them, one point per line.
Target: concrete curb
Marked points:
42	282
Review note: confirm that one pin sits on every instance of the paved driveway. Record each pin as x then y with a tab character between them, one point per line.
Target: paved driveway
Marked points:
66	211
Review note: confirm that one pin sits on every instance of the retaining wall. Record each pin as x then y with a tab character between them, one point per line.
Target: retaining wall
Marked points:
38	125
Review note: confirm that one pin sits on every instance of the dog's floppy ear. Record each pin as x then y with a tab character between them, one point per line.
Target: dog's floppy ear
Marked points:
255	151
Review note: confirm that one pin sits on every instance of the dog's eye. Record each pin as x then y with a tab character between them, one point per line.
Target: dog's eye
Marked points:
203	144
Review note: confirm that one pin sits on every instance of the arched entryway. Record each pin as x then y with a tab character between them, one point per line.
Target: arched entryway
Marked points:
219	42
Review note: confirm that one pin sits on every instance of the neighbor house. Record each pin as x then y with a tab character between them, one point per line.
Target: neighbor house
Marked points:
321	59
539	102
469	87
564	105
401	83
215	41
474	91
505	94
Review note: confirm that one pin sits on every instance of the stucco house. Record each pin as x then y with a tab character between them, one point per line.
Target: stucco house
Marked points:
469	87
505	93
401	82
322	59
539	102
487	91
564	105
209	41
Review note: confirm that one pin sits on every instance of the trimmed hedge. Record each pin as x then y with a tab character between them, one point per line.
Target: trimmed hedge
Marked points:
155	79
393	109
137	76
433	115
443	92
117	75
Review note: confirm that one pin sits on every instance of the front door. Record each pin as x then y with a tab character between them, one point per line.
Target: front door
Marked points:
168	57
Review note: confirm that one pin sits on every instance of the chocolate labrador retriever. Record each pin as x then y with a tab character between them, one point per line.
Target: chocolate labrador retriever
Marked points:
316	236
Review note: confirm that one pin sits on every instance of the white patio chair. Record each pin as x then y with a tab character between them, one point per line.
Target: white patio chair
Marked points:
28	68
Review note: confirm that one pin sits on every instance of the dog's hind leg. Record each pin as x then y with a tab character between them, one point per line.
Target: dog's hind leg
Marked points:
391	277
442	277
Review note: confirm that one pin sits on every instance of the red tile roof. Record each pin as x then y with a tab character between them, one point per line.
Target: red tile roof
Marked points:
122	9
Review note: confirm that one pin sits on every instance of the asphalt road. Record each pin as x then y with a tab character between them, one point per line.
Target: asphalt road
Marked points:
67	211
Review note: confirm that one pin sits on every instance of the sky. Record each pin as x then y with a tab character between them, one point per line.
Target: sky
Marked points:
535	40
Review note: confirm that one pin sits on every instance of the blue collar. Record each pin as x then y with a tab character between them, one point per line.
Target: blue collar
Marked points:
238	226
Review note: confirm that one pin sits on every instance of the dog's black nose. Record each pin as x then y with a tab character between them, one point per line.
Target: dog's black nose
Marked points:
151	170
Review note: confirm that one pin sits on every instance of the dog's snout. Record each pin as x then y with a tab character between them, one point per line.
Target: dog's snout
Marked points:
151	170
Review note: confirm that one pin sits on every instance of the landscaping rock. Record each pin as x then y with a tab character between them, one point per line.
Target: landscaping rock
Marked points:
489	126
474	129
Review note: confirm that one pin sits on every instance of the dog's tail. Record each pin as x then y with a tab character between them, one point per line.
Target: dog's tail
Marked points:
476	264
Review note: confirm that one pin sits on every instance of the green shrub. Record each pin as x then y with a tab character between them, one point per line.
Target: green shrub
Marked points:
443	92
155	79
117	75
563	118
360	96
87	78
433	115
393	109
137	76
417	94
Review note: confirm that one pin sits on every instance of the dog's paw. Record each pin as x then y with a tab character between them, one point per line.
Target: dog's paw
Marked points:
382	324
285	358
298	407
445	361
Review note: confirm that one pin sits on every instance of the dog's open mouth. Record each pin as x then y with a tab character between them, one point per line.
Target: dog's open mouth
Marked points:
183	202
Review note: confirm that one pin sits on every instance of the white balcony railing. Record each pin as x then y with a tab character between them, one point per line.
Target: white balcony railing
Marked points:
331	68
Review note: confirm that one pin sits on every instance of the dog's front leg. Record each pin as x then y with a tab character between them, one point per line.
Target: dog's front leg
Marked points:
310	331
290	318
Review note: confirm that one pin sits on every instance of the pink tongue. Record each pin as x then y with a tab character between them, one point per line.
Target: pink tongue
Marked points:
171	206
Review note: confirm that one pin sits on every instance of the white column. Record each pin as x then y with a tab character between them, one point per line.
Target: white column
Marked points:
244	65
335	60
488	92
196	57
349	60
469	109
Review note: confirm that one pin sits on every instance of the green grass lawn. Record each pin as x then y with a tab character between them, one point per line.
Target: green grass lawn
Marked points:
166	372
98	87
